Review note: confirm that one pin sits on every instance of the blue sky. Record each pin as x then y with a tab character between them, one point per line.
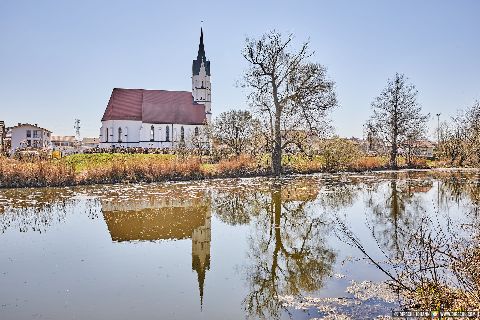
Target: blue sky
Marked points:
59	60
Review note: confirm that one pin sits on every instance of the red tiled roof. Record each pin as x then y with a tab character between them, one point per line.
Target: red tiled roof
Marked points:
154	106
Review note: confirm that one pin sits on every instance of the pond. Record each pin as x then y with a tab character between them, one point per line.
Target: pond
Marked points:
300	247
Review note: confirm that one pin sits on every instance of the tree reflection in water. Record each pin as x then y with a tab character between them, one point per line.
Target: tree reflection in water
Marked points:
388	202
36	209
432	259
288	254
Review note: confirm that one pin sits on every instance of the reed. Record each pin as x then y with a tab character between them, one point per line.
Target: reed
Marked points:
17	173
115	168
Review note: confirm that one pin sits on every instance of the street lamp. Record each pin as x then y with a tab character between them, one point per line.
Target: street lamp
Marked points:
438	128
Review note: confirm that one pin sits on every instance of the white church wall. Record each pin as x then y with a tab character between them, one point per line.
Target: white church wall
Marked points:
138	134
130	130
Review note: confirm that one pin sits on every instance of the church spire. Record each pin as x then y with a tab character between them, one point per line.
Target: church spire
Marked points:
201	58
201	86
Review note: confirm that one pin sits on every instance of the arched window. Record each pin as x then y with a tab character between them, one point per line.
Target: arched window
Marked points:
152	133
106	138
182	134
196	131
119	134
167	133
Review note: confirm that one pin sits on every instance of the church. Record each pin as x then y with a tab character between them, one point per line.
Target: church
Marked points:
160	118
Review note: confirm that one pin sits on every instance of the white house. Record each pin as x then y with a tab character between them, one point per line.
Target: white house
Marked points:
29	135
159	118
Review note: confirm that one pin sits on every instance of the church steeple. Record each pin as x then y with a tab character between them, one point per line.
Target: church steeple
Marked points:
201	87
197	64
201	238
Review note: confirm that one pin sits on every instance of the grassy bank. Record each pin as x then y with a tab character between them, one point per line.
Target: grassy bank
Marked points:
113	168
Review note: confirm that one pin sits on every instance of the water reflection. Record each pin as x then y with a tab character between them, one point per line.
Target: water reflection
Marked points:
288	253
34	209
289	229
151	218
396	206
431	257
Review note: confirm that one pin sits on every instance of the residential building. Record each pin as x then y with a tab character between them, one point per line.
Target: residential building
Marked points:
25	135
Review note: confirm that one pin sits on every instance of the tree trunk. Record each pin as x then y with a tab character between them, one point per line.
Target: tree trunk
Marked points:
394	150
393	155
277	143
277	149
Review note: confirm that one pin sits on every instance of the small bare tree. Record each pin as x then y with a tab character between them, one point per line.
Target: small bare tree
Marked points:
460	138
288	92
397	117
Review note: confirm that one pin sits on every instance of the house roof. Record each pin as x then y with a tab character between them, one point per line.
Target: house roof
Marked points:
29	125
154	106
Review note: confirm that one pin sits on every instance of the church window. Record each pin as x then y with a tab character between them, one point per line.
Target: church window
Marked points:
152	133
182	134
167	133
119	134
196	131
106	139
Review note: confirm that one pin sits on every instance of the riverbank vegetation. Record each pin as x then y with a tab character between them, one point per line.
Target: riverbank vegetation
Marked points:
80	169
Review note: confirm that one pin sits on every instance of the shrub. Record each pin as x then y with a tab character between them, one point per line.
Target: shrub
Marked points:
339	153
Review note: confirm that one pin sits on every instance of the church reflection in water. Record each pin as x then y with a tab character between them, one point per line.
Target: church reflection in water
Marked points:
152	218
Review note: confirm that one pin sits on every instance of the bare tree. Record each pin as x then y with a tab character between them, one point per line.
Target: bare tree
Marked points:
397	117
287	91
235	129
460	138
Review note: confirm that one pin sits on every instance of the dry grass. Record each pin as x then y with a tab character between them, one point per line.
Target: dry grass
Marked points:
304	165
369	163
114	168
146	170
16	173
243	165
419	163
